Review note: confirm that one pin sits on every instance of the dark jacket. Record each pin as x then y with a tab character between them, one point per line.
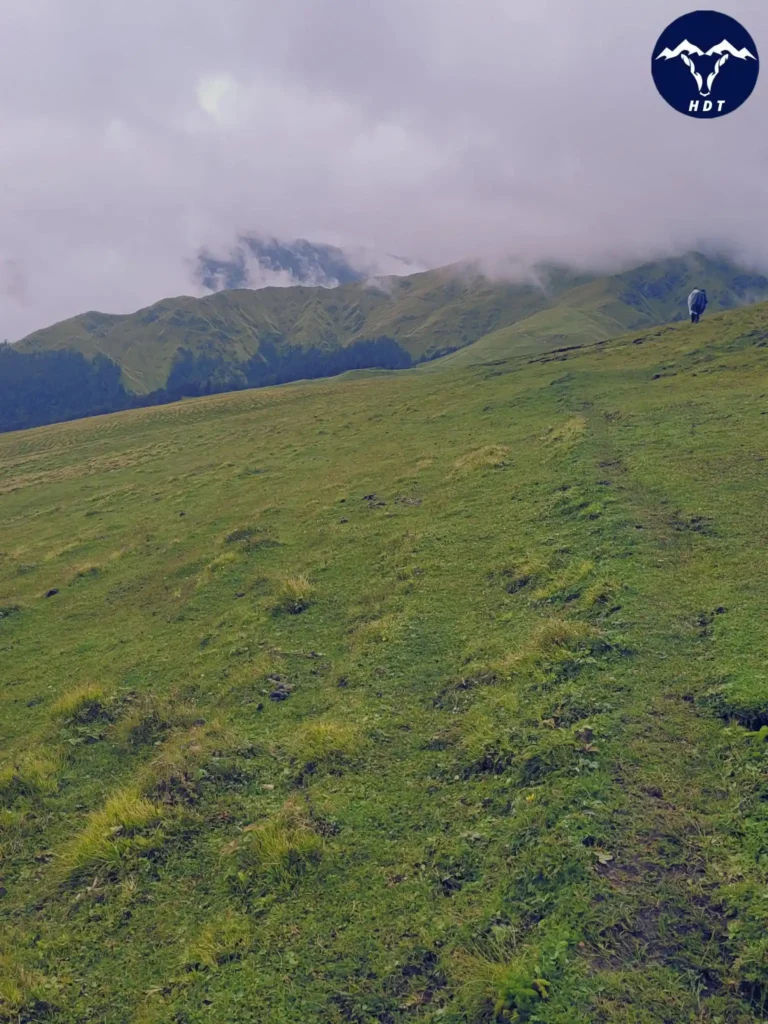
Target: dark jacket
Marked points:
697	301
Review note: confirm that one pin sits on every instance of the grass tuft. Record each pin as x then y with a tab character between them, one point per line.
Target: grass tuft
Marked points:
225	938
566	434
278	852
83	704
327	745
293	595
84	572
500	989
566	585
149	718
554	643
120	831
223	561
25	994
490	456
34	775
523	574
187	760
600	594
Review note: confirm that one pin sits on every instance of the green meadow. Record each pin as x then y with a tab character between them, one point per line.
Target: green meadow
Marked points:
432	696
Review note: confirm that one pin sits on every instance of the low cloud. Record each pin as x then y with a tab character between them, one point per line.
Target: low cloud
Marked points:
133	134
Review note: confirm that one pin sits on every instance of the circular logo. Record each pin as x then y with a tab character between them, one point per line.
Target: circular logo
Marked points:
705	64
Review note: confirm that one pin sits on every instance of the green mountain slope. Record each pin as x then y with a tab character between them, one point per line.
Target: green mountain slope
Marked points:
427	314
652	294
430	697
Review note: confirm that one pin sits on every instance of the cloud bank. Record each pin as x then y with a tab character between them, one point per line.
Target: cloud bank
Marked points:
134	133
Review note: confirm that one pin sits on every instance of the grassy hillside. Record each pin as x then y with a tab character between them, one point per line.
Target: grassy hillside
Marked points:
602	308
428	314
430	697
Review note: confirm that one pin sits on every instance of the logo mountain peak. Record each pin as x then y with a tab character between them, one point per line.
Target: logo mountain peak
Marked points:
688	73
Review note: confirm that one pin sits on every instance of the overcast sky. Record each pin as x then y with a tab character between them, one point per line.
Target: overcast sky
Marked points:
134	131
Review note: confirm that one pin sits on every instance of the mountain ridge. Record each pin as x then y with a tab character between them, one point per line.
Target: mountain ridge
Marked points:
455	316
430	314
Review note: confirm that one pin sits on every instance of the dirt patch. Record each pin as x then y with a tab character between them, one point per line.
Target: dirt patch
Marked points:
692	524
281	688
735	704
705	621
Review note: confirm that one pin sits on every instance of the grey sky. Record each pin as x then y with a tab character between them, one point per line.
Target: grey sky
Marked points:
134	131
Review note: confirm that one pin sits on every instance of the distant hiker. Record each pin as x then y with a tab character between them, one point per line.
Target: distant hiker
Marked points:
697	303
